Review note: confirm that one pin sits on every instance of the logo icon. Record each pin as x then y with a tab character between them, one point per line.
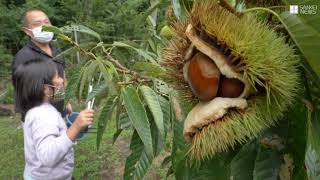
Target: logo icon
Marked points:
294	9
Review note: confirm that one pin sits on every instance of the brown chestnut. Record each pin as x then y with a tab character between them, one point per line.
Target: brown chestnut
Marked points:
230	87
203	77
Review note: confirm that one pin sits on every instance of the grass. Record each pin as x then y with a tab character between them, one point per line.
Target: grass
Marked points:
107	163
11	149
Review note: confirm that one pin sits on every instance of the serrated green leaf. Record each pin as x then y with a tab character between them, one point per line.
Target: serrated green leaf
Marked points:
267	164
314	129
73	50
113	70
88	72
310	19
215	168
157	140
53	29
73	83
166	161
242	164
107	75
67	51
306	38
297	135
312	164
139	160
177	125
152	101
80	28
104	116
166	110
64	38
136	147
146	54
150	69
97	91
116	135
138	116
124	121
178	143
179	9
117	116
312	158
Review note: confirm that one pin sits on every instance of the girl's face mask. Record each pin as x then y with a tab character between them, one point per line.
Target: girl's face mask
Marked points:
58	93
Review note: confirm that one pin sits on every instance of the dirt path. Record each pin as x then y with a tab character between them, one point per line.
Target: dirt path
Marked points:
115	169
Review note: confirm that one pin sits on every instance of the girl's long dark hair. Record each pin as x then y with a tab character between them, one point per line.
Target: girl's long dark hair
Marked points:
29	79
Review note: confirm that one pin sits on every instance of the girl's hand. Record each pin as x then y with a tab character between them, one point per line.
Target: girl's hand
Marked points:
84	119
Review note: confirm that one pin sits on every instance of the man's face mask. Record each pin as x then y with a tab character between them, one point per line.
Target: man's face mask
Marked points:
58	93
41	36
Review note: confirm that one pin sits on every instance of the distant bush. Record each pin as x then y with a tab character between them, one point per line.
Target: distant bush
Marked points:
6	95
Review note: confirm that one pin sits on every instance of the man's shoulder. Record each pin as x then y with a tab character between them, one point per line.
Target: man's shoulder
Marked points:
24	53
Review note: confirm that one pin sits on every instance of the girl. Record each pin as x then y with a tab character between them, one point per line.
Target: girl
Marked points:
47	141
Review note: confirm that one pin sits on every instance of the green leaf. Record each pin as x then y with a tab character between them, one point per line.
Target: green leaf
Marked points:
80	28
97	91
267	164
116	135
53	29
73	83
313	151
104	116
146	54
178	143
314	129
215	168
166	110
312	164
112	68
305	37
242	164
179	9
311	20
117	116
139	160
138	116
150	69
166	161
124	121
88	72
297	135
152	101
73	50
107	75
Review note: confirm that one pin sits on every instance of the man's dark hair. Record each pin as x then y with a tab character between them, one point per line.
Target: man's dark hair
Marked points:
24	20
29	79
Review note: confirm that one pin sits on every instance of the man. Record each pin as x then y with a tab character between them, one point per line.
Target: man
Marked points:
39	47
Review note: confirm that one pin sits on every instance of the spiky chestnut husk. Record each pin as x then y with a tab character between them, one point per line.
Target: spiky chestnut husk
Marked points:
263	3
264	60
170	17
